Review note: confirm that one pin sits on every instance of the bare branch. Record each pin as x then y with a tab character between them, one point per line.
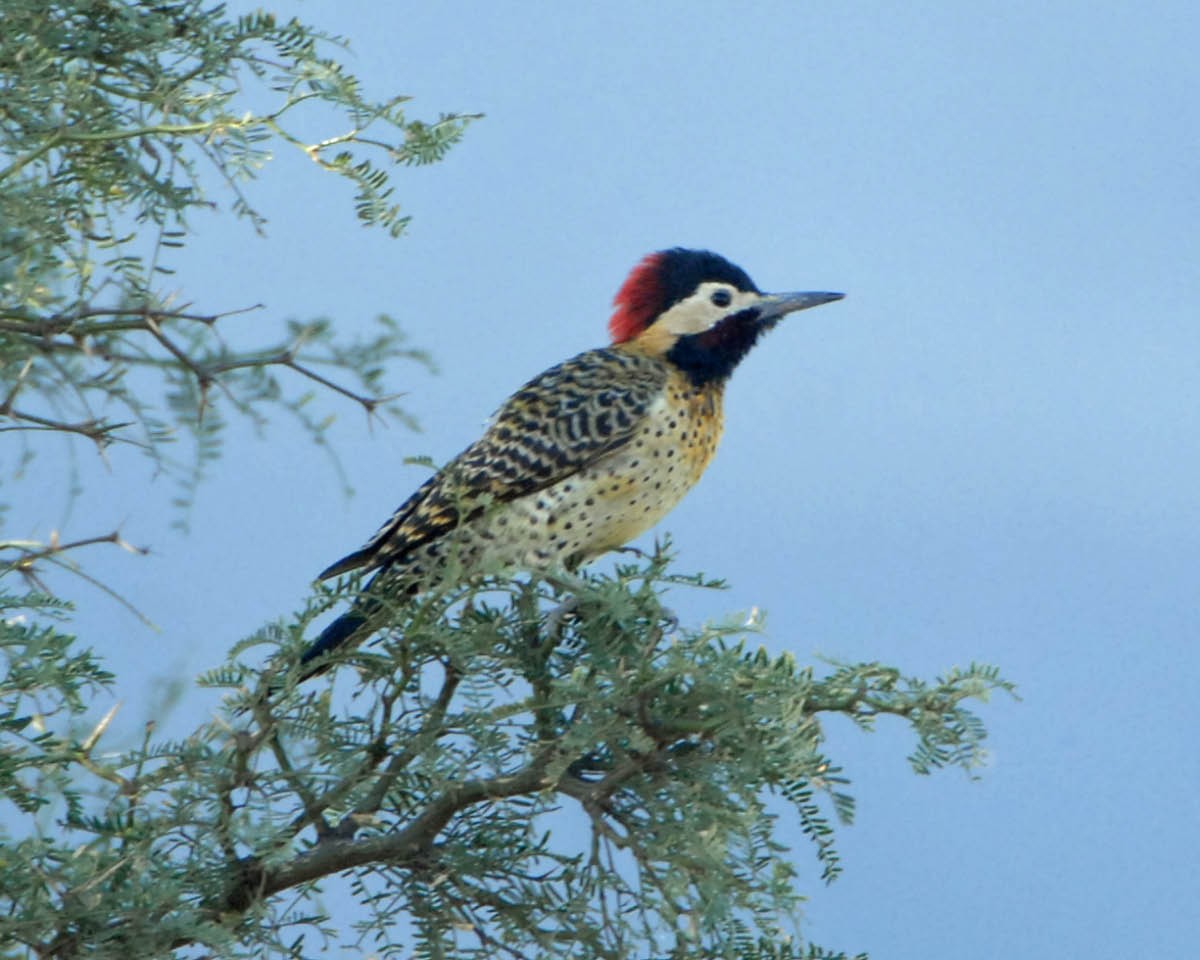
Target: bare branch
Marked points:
33	552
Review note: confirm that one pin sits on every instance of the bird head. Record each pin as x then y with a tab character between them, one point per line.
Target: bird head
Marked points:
698	311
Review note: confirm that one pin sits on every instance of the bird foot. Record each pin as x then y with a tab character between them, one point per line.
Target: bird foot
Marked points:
557	617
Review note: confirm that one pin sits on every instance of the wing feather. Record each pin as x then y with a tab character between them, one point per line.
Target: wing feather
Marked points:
556	425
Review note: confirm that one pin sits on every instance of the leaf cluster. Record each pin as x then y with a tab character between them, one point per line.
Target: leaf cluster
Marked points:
504	777
119	121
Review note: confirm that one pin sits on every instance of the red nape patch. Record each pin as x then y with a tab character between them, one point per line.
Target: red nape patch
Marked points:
638	301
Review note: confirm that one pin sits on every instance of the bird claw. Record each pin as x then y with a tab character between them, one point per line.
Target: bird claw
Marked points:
556	618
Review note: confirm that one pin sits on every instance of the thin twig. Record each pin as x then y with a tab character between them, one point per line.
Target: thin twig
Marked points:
430	730
312	809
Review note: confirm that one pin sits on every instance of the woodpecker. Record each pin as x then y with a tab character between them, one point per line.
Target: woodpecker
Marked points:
587	455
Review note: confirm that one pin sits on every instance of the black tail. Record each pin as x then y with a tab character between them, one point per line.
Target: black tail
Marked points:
346	627
354	626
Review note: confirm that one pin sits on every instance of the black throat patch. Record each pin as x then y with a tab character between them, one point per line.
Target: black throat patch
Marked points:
713	354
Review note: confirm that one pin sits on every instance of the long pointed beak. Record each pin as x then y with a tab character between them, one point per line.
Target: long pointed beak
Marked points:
776	305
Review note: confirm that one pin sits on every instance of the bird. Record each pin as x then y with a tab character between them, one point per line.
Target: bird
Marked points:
584	457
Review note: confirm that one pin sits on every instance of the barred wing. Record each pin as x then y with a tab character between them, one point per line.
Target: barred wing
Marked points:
556	425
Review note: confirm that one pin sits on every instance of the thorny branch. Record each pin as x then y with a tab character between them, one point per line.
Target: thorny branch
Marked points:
32	552
84	332
254	881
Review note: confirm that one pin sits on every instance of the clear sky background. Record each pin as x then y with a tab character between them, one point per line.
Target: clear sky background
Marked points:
990	451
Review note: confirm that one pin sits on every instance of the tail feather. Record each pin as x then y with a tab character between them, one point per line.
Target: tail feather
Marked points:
347	627
363	618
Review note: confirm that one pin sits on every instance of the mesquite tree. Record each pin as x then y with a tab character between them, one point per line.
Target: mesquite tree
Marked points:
500	773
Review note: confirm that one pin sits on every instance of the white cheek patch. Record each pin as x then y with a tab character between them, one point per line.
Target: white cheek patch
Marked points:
698	313
689	316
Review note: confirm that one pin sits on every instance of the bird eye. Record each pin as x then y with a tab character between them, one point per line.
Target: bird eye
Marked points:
721	298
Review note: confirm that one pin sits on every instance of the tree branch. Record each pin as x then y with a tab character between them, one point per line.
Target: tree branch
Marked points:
253	881
430	730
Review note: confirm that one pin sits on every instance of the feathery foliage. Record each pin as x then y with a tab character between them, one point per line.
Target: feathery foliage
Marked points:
506	780
119	123
498	777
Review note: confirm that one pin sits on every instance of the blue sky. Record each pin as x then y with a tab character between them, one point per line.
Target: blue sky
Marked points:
987	452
